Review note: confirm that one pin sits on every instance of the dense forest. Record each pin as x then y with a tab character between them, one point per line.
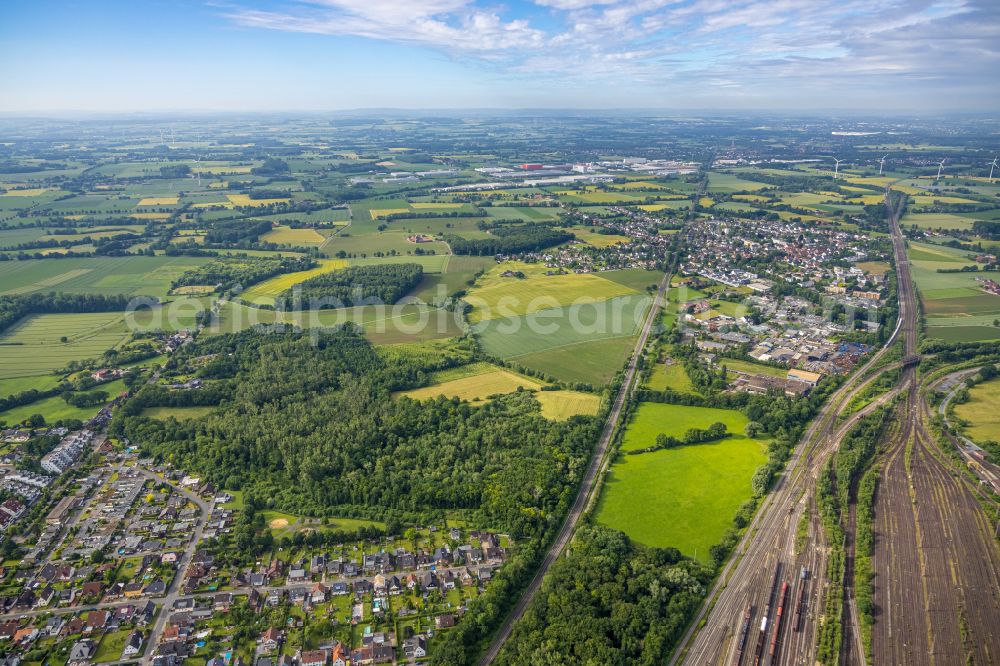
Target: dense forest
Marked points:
13	308
235	232
241	270
509	240
608	601
313	428
356	285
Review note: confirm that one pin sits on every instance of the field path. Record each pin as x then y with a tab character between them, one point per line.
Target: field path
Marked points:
588	486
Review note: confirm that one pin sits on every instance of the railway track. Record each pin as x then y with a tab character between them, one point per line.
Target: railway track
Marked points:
588	486
770	539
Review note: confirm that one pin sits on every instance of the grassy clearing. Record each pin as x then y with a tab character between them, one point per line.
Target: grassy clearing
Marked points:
561	405
474	383
982	411
737	365
874	267
673	377
179	413
687	495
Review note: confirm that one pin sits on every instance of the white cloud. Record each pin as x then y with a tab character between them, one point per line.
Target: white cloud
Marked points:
737	45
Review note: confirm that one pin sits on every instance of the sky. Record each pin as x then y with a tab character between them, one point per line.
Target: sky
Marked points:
896	56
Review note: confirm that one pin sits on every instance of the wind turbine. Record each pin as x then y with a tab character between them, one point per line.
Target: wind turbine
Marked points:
940	166
881	163
992	166
836	167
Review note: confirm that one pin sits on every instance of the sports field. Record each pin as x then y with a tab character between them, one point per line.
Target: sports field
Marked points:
33	346
688	495
475	383
982	412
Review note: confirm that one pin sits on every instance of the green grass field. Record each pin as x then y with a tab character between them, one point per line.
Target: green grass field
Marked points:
147	276
475	383
594	362
391	325
33	345
982	411
651	419
946	221
673	377
685	497
736	365
55	408
726	182
496	297
559	327
284	235
561	405
956	307
179	413
266	291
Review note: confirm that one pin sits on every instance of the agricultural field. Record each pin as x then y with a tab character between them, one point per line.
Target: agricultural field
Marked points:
597	240
474	383
389	325
689	494
34	345
266	291
594	362
935	221
56	409
561	405
146	276
284	235
495	296
956	306
982	412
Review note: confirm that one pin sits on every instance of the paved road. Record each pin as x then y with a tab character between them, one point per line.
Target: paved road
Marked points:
588	486
173	592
